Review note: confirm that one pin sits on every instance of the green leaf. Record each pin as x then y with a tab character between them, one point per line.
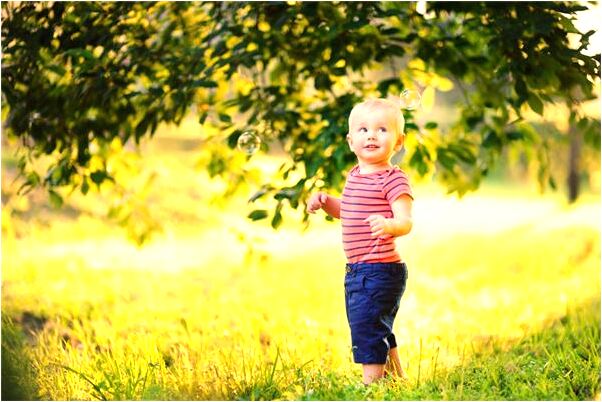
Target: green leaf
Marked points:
98	176
582	124
312	165
86	54
263	191
411	126
85	186
384	86
492	140
114	211
431	125
55	199
515	135
322	81
258	214
521	89
233	138
203	84
57	69
591	135
224	117
567	25
203	117
462	152
535	103
288	193
277	219
418	160
445	158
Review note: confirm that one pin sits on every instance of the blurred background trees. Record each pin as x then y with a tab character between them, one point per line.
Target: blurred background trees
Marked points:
83	80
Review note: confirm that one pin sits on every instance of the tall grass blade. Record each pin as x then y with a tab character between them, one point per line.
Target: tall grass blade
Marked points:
85	378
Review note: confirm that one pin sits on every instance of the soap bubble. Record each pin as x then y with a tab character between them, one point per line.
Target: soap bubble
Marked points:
249	142
410	99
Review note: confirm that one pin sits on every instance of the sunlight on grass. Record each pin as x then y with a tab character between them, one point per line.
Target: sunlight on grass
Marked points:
217	307
211	305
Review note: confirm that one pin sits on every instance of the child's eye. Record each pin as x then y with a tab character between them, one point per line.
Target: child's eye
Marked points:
362	130
382	129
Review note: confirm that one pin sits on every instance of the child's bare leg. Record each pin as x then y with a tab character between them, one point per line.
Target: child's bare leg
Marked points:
373	372
393	366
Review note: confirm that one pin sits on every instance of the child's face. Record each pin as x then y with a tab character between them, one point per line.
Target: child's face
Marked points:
373	135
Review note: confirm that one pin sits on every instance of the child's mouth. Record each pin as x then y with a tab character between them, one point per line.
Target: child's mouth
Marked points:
371	147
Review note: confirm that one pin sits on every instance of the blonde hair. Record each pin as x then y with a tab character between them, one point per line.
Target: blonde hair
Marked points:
373	103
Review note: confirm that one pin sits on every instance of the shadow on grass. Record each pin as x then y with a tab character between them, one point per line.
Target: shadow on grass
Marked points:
18	376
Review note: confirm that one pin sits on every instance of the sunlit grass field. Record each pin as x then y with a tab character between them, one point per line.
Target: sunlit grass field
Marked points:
503	299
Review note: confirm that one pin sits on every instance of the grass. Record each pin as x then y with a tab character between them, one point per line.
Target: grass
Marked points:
502	301
18	376
560	362
274	328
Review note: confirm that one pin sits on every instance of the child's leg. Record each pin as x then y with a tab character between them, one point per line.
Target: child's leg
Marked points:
393	365
373	372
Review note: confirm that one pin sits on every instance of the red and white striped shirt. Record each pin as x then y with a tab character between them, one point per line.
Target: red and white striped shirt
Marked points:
365	195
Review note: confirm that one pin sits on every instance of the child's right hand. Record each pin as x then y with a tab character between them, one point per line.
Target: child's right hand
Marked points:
316	201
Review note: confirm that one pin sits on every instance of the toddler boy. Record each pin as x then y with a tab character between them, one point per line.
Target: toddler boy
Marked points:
375	207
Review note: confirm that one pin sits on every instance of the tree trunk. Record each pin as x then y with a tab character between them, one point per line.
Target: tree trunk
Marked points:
574	158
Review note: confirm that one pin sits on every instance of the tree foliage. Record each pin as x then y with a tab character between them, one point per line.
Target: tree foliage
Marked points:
75	74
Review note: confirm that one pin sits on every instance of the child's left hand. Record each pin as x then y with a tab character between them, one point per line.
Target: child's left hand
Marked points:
379	225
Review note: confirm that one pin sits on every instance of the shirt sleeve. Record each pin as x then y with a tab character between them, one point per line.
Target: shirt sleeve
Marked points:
396	185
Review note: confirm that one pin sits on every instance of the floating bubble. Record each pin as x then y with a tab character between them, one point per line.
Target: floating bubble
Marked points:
249	142
410	99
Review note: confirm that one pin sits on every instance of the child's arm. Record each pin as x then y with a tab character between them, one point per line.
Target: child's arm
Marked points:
330	204
399	225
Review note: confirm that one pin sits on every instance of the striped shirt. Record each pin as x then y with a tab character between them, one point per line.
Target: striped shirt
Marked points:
365	195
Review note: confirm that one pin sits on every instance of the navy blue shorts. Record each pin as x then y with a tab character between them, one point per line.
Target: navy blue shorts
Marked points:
372	295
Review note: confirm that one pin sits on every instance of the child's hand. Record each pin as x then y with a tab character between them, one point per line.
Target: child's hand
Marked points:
379	225
316	201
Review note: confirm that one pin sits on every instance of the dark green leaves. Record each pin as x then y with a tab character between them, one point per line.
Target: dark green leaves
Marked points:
453	153
100	70
258	214
322	81
420	159
203	84
98	176
535	103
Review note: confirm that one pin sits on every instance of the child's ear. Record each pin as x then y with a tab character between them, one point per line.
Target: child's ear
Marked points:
400	141
349	140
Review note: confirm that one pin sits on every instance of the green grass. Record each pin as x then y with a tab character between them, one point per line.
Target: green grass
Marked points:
560	362
18	374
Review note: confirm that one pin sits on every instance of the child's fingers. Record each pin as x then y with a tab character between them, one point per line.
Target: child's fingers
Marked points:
378	232
317	201
376	227
371	218
311	207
